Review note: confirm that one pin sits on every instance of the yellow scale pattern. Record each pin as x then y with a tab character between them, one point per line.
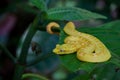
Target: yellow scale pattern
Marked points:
87	47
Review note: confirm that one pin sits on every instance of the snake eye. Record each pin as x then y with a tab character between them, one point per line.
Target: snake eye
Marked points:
61	50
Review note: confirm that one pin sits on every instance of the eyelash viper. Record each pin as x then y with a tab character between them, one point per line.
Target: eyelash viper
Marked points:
87	47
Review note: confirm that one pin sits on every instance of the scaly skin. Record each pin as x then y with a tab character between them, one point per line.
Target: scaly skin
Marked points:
88	47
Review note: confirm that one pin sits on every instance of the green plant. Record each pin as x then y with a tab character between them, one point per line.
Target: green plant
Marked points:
44	16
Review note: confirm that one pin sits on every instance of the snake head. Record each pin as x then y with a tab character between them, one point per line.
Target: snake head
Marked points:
64	49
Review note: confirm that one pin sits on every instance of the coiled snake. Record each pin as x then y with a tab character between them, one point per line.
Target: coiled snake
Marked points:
87	47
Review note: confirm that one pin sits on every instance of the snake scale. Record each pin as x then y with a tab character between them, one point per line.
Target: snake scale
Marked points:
88	48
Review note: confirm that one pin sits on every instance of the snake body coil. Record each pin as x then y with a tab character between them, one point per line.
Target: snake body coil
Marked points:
88	47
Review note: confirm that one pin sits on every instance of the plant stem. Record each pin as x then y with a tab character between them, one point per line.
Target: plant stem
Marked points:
26	44
20	66
8	53
30	75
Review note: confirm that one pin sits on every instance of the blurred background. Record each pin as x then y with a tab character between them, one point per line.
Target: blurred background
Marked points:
15	17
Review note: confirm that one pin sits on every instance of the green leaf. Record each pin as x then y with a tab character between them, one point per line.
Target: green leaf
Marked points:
84	76
40	4
110	37
72	13
106	72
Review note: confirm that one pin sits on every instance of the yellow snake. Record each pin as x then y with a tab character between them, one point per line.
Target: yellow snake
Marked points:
87	47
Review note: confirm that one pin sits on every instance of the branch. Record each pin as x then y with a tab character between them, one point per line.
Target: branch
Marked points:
20	66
